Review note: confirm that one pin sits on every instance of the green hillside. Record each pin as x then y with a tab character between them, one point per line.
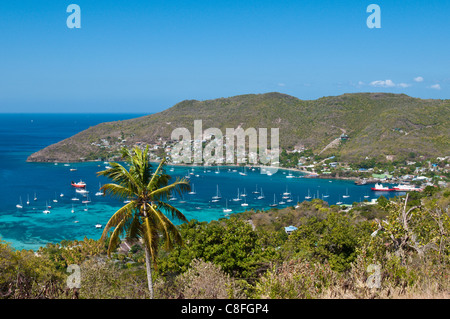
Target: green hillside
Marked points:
378	124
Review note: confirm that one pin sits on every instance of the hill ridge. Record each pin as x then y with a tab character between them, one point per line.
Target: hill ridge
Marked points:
378	125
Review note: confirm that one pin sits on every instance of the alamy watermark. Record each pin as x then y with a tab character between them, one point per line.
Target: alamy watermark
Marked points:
210	146
374	280
74	279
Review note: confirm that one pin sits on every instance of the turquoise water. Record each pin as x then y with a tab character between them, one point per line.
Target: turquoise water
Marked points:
30	228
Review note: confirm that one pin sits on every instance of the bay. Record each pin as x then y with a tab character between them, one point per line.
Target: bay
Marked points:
30	228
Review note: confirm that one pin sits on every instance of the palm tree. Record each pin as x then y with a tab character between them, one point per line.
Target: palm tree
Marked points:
142	218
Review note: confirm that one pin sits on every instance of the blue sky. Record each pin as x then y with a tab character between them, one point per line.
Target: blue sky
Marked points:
145	56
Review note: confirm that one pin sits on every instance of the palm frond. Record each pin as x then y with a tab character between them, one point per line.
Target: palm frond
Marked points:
120	175
174	212
180	186
122	214
170	230
118	191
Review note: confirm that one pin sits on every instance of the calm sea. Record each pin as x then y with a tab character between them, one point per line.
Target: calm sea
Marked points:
30	228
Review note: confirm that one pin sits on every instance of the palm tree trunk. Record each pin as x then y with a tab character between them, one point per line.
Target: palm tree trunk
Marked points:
148	264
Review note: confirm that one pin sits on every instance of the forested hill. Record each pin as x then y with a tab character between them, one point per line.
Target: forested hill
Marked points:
377	125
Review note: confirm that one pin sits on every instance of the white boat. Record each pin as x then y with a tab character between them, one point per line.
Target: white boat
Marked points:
61	195
238	198
380	187
55	200
274	202
46	210
218	196
226	209
87	201
35	197
75	199
81	191
262	195
244	173
73	210
99	193
20	205
256	190
98	226
346	194
192	192
244	204
309	195
286	193
86	208
290	175
217	171
28	199
244	194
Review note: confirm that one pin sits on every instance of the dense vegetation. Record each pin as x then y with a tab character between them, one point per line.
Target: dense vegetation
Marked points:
332	254
378	124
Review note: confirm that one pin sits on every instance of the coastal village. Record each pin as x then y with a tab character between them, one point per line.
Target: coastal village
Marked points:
416	170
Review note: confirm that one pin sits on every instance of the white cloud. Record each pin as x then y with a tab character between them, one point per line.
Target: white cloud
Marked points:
388	84
418	79
435	86
385	84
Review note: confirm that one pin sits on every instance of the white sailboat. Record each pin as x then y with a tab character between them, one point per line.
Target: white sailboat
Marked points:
346	194
46	210
35	197
274	201
286	193
88	200
226	209
244	194
99	193
28	199
256	190
244	173
20	205
309	195
218	196
262	195
244	204
238	198
73	210
192	192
